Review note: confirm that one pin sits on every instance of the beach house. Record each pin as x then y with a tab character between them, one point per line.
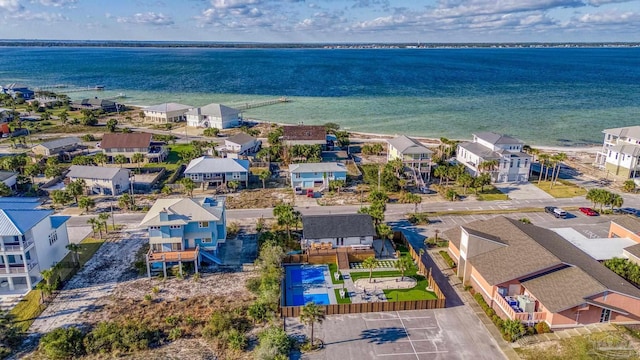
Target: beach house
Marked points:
316	175
531	274
210	171
128	144
18	90
31	240
184	230
105	105
413	154
102	180
241	144
620	152
166	113
213	116
56	147
499	155
338	230
9	178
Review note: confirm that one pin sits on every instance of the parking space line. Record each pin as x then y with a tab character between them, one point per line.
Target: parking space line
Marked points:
408	337
415	353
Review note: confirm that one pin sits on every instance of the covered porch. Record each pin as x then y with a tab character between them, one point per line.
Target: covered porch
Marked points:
172	257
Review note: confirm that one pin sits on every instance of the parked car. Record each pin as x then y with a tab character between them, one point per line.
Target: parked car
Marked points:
310	193
298	190
588	211
559	213
549	209
630	211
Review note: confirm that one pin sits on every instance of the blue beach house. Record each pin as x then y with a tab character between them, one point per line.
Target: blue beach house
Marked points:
184	230
316	175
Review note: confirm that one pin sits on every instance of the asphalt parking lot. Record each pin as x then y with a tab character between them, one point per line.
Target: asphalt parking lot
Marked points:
451	333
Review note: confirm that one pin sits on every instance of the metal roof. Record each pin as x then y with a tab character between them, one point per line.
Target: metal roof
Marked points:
16	222
163	108
183	211
240	139
54	144
599	248
480	150
496	139
632	132
217	110
407	145
4	175
316	167
627	149
94	172
205	164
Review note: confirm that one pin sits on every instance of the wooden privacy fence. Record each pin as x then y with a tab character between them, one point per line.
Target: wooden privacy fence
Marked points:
398	236
294	311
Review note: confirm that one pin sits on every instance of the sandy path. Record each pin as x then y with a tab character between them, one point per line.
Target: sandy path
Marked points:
96	280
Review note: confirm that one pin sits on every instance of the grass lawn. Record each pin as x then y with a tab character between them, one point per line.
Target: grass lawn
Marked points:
333	268
378	274
417	293
174	152
345	300
561	189
28	309
580	348
491	193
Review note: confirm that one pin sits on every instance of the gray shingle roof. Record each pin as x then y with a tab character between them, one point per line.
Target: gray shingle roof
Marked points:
4	175
54	144
94	172
627	149
628	222
632	132
497	139
205	164
633	250
480	150
217	110
334	226
563	289
316	167
183	211
167	107
240	138
407	145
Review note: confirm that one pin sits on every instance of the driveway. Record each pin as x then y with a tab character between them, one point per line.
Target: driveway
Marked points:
522	191
451	333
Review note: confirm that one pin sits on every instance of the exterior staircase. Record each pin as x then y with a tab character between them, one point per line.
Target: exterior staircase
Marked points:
209	257
343	260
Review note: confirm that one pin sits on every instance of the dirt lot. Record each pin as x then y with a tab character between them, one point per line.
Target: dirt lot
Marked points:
258	198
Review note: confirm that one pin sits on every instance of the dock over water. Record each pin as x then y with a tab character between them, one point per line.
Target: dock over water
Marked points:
248	106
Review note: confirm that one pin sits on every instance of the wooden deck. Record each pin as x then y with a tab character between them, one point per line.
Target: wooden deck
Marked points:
173	256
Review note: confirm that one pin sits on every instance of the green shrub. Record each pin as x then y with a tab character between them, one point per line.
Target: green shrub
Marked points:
274	344
171	320
175	334
62	343
542	328
113	338
155	290
148	297
253	285
531	330
512	330
236	340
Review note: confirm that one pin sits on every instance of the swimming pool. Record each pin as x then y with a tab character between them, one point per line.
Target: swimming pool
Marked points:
306	283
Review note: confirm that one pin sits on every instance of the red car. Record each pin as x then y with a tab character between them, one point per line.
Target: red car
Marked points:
588	211
310	193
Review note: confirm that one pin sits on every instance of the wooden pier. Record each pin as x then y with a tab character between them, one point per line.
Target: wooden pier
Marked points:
248	106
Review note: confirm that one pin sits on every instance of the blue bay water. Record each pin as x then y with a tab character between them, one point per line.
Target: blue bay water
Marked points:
545	96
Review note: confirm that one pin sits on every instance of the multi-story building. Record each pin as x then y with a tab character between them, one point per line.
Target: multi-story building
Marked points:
316	175
184	230
128	144
102	180
166	113
338	230
620	152
413	154
210	171
31	240
214	116
505	152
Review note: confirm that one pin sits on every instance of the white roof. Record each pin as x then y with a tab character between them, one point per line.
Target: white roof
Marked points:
94	172
184	211
205	164
168	107
316	167
598	248
632	132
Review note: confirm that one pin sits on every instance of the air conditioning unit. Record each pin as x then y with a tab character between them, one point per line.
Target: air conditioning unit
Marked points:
526	304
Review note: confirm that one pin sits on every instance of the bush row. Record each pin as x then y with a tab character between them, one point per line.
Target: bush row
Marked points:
445	255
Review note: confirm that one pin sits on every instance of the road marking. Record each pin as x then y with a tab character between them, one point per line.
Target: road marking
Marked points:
408	337
416	353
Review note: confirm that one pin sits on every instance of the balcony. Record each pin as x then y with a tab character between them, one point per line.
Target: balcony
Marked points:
17	268
17	246
173	256
513	315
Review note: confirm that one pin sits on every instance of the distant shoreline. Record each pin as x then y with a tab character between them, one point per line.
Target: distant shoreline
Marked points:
355	45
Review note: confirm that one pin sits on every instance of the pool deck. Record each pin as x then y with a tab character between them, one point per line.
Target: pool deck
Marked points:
326	288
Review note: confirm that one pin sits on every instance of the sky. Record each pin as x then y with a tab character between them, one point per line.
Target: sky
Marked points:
293	21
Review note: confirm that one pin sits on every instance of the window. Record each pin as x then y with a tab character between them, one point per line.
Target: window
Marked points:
175	226
203	224
53	237
518	162
154	227
511	165
605	316
206	240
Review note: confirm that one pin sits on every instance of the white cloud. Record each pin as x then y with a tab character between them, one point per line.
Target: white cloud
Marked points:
40	16
56	3
10	5
148	18
610	18
233	4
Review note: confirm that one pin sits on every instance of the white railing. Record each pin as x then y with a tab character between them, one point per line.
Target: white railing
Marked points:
14	248
18	269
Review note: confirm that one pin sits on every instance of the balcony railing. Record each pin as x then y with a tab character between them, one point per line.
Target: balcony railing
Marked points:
17	269
17	247
173	256
522	316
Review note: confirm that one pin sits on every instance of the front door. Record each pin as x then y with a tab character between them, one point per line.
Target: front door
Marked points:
605	316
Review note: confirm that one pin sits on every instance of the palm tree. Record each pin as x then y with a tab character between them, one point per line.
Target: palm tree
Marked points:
74	248
403	264
617	201
543	159
95	225
440	172
233	185
513	329
188	186
560	157
86	203
100	158
120	159
103	217
264	175
370	263
311	314
137	158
